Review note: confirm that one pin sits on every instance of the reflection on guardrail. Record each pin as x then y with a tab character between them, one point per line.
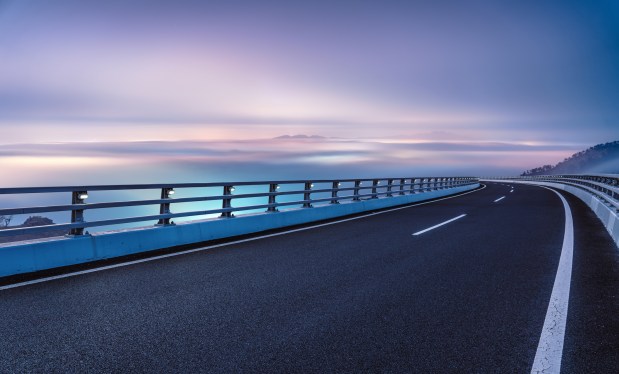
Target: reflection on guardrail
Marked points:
263	196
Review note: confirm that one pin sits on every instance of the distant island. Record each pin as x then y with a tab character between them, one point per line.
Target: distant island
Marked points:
301	136
599	159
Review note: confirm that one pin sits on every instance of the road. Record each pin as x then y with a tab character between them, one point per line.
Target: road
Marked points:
468	293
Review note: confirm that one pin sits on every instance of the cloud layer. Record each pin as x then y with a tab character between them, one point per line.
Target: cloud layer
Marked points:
191	161
523	71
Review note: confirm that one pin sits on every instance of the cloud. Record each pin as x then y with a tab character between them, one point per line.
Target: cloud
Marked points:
294	150
536	70
262	159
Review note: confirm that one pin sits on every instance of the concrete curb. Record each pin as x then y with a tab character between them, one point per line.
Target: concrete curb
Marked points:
31	256
607	215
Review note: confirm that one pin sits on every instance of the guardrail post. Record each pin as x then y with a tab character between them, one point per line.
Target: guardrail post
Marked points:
273	187
77	215
226	202
374	185
402	182
164	208
389	185
412	188
356	191
335	187
307	195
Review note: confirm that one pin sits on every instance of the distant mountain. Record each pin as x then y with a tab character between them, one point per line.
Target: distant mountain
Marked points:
30	222
599	159
301	136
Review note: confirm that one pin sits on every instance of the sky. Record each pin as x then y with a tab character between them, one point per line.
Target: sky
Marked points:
97	89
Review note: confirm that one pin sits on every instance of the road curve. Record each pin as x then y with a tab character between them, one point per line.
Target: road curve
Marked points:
468	293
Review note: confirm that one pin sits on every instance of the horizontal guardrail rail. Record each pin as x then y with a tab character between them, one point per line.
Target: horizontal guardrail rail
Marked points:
269	200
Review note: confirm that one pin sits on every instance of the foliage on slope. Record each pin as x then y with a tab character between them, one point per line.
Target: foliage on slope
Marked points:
599	159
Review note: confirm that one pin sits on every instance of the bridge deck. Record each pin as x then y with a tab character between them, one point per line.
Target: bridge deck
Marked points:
360	295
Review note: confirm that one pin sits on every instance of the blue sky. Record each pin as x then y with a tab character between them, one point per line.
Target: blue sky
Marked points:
533	81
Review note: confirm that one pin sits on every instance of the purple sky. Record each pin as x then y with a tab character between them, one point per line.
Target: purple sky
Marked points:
507	85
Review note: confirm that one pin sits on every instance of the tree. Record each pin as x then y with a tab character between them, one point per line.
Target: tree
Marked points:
601	158
5	221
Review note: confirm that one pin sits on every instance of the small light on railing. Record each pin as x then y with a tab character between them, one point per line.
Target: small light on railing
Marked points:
232	188
170	192
378	182
339	184
277	187
312	185
83	196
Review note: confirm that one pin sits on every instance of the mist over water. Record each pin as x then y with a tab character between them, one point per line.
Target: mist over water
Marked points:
87	163
84	164
175	171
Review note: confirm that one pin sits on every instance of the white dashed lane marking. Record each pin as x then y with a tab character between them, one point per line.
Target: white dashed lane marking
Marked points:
439	225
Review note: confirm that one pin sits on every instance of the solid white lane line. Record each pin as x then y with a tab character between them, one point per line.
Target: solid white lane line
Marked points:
123	264
499	199
550	347
439	225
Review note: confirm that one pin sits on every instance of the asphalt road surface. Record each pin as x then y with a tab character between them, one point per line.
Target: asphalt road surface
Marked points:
364	295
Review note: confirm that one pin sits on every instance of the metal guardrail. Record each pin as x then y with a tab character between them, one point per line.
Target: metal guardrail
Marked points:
359	189
605	187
